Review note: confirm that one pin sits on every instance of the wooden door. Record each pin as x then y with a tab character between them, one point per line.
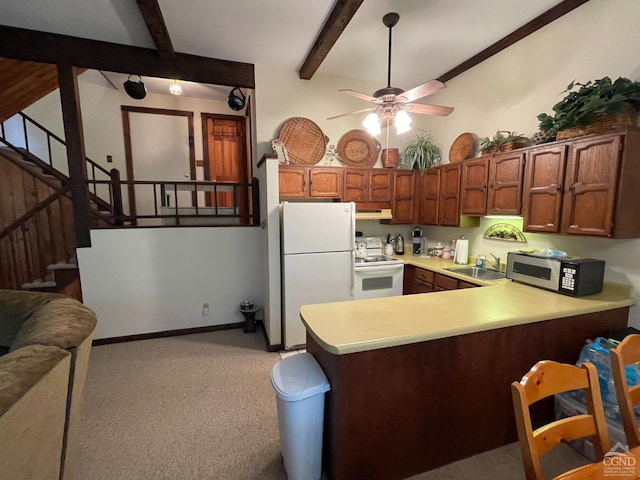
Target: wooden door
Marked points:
225	158
325	182
449	195
590	186
505	184
356	185
403	197
293	181
542	189
429	197
473	191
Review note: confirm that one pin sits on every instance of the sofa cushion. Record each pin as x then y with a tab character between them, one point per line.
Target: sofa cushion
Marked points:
22	369
15	307
63	323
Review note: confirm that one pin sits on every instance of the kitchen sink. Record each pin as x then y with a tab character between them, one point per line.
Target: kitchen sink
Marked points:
475	272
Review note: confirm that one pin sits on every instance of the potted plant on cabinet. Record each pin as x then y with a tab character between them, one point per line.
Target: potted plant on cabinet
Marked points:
596	106
503	141
420	153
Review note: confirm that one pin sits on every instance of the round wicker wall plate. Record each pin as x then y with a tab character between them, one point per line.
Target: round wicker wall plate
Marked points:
357	148
461	148
304	141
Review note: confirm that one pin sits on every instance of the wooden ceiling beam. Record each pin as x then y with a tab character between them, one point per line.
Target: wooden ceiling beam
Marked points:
342	13
46	47
150	10
536	24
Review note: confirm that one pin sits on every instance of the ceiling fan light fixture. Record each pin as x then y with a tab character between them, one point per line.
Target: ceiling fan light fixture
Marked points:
174	87
402	122
372	124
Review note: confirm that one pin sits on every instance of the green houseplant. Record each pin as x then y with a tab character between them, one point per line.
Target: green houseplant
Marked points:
420	153
591	101
503	141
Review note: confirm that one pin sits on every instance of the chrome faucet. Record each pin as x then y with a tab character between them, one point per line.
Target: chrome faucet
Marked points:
496	264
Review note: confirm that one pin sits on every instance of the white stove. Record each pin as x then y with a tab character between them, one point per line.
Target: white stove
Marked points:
375	274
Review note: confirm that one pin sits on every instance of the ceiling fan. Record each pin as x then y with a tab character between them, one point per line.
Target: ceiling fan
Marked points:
391	103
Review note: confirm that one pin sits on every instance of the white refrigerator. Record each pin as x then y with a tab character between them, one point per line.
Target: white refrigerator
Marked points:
317	260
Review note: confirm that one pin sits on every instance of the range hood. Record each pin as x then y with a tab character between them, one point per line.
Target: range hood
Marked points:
382	214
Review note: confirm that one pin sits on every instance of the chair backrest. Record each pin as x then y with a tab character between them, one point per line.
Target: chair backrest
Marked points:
545	379
626	353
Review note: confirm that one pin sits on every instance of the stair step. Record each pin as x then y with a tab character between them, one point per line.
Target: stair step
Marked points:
62	266
34	285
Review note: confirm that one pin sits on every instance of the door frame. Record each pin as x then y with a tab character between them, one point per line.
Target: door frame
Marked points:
128	152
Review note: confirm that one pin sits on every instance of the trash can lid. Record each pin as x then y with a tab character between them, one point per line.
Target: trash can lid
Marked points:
298	377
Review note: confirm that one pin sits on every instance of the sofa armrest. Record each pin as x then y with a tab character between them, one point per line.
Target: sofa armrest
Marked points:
33	396
16	307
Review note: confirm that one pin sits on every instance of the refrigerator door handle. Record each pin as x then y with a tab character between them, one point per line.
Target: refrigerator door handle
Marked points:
353	272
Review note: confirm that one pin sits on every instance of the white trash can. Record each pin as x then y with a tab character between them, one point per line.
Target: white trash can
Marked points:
300	385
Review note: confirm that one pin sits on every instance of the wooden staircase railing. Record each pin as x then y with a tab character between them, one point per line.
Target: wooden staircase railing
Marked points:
30	132
42	236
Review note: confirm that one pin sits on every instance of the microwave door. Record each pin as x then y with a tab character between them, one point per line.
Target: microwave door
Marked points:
540	272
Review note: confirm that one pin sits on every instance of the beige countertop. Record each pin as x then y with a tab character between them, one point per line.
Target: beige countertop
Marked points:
360	325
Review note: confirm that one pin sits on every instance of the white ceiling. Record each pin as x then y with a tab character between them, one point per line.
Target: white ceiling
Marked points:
431	38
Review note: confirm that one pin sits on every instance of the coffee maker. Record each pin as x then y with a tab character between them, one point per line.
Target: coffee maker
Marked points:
416	237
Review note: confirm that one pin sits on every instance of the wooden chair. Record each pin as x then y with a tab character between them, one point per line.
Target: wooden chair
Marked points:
548	378
627	352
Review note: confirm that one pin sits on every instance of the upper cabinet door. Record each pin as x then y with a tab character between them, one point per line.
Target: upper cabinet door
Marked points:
505	184
403	197
542	190
449	195
356	185
380	185
590	186
473	193
429	197
325	182
292	182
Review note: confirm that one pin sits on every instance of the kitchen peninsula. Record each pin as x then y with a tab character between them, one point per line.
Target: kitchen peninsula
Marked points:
420	381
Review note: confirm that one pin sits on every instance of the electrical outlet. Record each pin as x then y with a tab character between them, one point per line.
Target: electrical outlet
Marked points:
205	309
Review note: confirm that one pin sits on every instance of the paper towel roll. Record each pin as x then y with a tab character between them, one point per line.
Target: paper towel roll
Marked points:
462	251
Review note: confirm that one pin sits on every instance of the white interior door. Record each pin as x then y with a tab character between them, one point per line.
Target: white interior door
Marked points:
160	151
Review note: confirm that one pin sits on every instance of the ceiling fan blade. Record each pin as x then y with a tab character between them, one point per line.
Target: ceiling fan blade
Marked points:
427	109
352	113
432	86
362	96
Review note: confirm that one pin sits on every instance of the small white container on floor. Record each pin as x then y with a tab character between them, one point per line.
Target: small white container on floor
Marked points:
300	385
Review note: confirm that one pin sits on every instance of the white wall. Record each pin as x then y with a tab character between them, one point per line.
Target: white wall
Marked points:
507	91
156	279
280	95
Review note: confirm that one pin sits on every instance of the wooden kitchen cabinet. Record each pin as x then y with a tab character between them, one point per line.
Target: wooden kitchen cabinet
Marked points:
505	183
542	189
473	190
315	182
448	208
371	188
429	188
443	282
404	189
585	186
292	182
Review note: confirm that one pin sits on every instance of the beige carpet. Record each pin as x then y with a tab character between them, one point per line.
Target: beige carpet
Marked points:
200	407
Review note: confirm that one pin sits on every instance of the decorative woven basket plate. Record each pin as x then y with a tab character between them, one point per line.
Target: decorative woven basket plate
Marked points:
461	148
357	148
304	141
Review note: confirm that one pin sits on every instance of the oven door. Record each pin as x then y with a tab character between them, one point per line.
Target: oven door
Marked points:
373	281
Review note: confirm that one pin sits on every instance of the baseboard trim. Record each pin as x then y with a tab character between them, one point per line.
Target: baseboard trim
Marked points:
167	333
270	348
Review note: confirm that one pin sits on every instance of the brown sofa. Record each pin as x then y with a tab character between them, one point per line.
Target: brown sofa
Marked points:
45	340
